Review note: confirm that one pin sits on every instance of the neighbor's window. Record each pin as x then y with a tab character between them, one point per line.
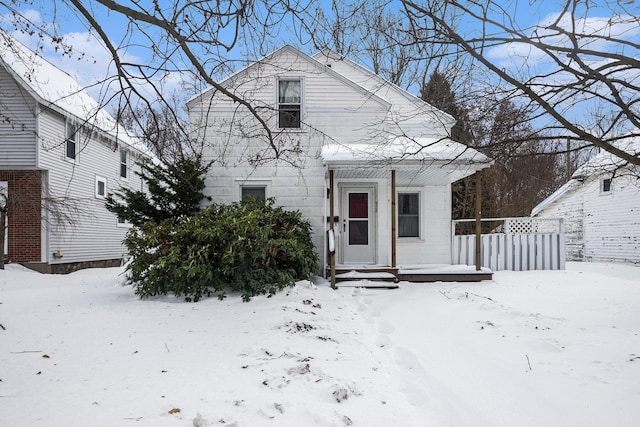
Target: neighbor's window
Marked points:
257	191
408	214
605	186
71	145
124	223
101	186
123	162
289	103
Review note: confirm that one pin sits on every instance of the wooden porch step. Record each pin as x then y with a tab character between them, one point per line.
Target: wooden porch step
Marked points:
381	274
394	275
366	283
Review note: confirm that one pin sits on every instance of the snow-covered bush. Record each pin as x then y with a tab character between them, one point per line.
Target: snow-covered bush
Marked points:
250	247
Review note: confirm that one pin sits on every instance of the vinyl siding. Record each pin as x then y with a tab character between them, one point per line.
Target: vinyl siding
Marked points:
17	125
334	110
94	234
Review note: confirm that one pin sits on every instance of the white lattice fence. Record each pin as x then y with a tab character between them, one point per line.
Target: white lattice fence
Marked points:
526	245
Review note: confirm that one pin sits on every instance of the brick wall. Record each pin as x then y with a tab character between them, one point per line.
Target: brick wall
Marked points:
25	214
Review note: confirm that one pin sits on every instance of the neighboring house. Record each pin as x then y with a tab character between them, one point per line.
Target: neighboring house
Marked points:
348	139
60	155
600	208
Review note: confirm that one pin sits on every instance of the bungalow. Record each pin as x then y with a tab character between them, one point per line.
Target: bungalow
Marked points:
600	207
60	155
342	145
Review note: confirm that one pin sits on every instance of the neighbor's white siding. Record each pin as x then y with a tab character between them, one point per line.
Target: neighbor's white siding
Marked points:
17	125
600	226
94	234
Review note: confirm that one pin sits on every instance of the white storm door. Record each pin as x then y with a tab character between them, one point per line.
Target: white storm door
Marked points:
358	221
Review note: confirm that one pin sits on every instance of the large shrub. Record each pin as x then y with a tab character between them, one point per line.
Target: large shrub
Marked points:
250	247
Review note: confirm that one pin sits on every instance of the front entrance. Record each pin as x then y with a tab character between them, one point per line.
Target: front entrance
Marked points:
358	224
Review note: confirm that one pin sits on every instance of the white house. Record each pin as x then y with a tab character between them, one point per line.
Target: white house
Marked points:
347	141
60	155
600	207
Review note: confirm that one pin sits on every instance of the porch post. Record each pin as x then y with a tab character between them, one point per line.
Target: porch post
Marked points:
332	253
393	218
478	218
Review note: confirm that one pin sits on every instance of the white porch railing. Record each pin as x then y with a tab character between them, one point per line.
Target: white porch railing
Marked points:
513	244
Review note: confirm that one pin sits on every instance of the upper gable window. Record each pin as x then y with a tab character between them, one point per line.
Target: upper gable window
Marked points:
605	185
289	103
71	145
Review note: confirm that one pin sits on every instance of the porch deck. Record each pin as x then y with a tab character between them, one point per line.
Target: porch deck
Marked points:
412	273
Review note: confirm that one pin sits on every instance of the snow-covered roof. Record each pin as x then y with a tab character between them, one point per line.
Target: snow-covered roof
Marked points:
57	90
600	163
405	149
605	161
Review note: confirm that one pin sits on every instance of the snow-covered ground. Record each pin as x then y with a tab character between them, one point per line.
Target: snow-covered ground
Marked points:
550	348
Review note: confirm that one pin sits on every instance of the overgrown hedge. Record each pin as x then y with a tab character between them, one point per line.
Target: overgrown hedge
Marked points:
250	247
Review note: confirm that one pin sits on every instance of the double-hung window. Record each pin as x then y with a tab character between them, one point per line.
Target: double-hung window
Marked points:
101	187
289	103
123	163
71	145
409	214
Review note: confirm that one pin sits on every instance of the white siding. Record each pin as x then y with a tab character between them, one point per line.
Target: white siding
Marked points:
335	110
94	235
600	226
612	221
434	245
17	125
332	111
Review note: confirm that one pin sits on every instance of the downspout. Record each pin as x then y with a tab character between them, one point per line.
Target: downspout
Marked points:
332	251
478	219
393	218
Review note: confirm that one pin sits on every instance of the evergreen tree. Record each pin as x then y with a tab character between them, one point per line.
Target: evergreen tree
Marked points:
437	92
174	190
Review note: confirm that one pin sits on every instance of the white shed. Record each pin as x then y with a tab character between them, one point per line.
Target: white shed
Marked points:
600	206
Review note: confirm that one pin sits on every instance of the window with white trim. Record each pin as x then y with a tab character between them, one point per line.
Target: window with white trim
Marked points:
121	222
289	103
71	145
124	171
101	187
408	214
605	185
256	191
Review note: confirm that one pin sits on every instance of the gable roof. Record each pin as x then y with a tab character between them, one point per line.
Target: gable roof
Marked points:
228	82
57	90
373	82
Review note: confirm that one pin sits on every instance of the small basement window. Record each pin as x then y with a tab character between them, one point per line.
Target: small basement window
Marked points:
256	191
